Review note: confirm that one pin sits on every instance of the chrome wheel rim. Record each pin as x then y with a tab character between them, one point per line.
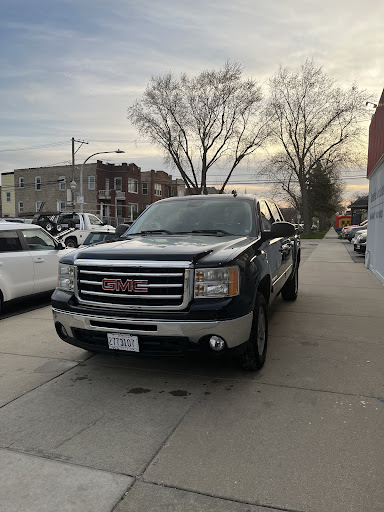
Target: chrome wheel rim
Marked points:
261	334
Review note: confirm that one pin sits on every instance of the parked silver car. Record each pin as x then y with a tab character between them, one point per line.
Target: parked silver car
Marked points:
360	241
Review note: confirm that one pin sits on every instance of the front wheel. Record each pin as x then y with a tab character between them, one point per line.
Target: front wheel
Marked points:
290	290
71	243
255	350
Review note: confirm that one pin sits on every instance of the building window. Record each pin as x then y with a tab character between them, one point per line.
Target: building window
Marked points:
118	183
61	206
21	206
8	197
37	206
37	183
144	187
21	182
158	189
167	191
61	181
133	209
91	183
133	186
119	210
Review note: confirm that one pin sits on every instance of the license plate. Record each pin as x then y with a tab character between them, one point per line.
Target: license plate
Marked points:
357	246
119	341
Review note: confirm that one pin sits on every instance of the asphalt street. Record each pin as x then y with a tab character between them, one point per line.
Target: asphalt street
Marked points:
102	433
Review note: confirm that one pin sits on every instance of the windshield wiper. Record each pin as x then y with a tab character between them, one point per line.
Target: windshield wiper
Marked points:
151	231
211	231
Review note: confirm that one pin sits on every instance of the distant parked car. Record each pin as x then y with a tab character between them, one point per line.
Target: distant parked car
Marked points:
348	230
299	228
350	234
98	237
29	259
360	241
16	219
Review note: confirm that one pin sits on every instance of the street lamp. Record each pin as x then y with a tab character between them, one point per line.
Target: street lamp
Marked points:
82	169
72	186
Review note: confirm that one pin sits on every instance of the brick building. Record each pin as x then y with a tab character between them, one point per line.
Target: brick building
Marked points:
119	190
8	194
374	255
155	185
49	187
115	192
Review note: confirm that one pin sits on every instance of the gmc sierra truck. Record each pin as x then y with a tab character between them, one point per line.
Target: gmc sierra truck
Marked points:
192	273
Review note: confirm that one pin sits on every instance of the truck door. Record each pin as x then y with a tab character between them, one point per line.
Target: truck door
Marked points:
273	248
287	244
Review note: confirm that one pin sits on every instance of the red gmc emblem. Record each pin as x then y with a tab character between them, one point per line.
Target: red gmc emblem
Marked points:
130	285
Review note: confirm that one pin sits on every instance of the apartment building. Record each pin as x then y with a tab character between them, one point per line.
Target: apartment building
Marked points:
155	185
8	195
114	192
50	188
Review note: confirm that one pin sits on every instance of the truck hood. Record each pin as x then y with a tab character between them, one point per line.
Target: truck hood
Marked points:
203	248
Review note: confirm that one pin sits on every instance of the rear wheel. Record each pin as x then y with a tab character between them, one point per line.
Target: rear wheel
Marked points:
255	350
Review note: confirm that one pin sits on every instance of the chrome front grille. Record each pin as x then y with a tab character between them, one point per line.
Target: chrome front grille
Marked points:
133	284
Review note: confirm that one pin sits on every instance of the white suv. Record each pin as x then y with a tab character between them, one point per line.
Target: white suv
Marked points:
29	259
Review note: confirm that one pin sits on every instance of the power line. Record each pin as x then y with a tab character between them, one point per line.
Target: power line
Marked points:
48	145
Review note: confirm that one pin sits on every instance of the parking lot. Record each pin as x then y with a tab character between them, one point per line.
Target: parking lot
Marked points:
85	432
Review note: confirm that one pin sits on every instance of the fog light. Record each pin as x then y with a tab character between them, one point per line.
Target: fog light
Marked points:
61	331
216	343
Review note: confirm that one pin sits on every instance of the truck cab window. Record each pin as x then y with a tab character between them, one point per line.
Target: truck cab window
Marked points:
266	217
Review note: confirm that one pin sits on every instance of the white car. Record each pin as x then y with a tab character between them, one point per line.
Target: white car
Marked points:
29	259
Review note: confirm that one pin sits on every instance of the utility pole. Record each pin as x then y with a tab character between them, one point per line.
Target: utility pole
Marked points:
73	183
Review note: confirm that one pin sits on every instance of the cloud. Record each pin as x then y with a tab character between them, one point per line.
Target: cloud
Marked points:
71	68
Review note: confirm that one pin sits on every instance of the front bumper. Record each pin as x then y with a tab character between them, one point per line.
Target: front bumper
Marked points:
90	331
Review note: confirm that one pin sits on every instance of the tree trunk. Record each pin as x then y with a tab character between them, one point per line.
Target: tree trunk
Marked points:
305	209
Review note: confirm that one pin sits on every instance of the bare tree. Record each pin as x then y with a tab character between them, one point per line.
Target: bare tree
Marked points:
216	115
315	122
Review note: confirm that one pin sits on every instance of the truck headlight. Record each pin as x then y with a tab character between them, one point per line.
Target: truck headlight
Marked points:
66	279
217	282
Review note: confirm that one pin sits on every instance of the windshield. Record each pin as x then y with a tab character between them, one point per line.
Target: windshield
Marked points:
232	216
95	221
95	238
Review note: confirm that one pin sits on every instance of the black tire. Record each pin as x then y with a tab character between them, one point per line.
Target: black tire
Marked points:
58	228
290	290
71	243
255	350
48	227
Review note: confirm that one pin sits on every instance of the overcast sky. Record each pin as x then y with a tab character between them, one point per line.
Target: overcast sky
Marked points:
70	68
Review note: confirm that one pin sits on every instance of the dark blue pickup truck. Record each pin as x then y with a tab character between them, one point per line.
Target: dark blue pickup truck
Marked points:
192	273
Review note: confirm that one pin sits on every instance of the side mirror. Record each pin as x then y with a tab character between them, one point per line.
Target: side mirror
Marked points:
280	230
61	245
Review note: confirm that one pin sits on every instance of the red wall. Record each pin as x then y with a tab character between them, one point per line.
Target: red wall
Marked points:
376	136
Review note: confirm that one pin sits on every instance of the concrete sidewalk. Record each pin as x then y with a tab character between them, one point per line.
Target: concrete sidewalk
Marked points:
102	433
